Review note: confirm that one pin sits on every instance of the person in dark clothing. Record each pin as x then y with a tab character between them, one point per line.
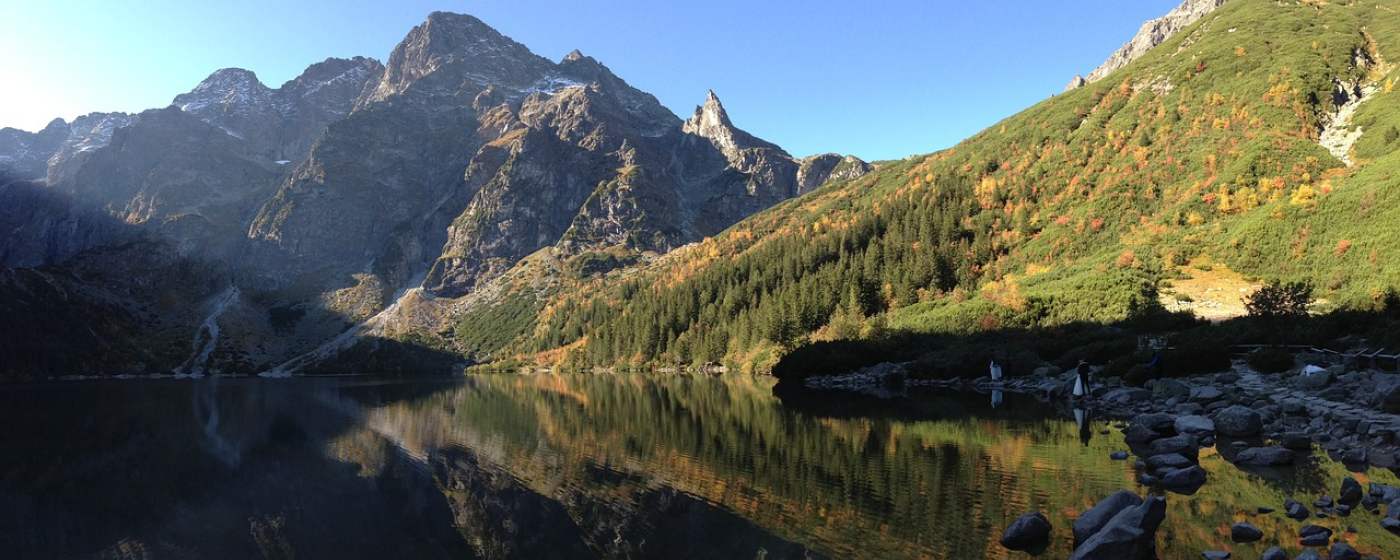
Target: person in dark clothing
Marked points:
1081	380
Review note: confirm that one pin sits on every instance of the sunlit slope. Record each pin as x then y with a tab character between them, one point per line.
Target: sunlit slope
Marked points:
1211	144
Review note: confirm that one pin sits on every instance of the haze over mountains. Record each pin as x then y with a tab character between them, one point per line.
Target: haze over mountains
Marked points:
320	202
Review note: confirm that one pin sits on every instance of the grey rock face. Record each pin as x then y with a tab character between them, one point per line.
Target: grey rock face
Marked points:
25	155
280	123
1152	33
819	170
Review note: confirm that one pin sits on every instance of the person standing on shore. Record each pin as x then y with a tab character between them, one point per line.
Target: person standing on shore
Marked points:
1081	380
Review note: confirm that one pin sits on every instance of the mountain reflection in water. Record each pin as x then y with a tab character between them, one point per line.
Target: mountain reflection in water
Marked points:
565	466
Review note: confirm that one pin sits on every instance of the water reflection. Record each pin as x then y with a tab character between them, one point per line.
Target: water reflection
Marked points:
578	466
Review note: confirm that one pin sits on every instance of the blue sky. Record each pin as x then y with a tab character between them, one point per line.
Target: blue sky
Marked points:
880	79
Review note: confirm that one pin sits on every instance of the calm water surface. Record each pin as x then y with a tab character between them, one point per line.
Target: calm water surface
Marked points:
564	466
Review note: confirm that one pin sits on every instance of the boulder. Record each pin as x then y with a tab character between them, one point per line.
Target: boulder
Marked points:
1342	551
1307	555
1129	535
1118	456
1274	553
1127	395
1206	394
1314	535
1138	433
1030	532
1183	444
1184	481
1390	400
1244	532
1391	524
1264	457
1216	555
1194	425
1356	456
1351	492
1238	421
1294	407
1169	460
1093	520
1163	389
1297	441
1295	510
1159	422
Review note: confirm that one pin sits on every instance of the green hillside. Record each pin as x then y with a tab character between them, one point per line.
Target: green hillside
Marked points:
1075	210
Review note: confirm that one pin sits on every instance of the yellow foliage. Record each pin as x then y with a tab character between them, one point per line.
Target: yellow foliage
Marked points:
1304	195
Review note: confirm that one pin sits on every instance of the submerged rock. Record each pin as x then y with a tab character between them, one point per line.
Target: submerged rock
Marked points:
1314	535
1244	532
1274	553
1216	555
1184	481
1295	510
1264	457
1351	492
1130	535
1343	551
1030	532
1093	520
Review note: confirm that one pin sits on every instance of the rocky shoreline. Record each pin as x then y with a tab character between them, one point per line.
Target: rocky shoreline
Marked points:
1347	412
1254	420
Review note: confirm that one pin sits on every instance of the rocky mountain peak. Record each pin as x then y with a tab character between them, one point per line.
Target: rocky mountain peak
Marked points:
225	89
1152	33
471	52
711	121
573	55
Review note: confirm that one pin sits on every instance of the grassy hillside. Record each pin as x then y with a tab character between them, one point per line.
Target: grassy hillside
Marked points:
1070	212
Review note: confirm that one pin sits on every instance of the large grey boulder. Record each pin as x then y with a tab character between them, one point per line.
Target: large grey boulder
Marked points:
1093	520
1130	535
1163	389
1238	421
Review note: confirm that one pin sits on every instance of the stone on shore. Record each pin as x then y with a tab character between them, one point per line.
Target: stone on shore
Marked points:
1183	444
1238	421
1274	553
1216	555
1030	532
1193	424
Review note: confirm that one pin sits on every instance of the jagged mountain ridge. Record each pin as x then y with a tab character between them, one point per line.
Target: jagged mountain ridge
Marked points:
327	198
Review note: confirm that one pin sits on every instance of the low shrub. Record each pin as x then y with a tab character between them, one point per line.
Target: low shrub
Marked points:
1193	355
